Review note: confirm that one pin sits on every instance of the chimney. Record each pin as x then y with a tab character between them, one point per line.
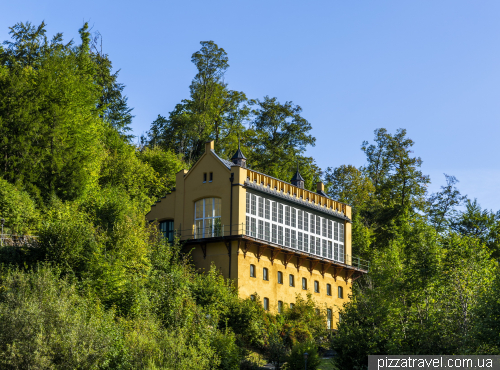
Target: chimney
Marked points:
209	145
320	188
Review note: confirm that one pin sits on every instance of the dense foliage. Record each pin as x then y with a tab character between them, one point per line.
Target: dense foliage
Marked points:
92	285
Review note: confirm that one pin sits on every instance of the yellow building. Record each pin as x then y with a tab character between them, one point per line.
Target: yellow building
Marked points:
270	237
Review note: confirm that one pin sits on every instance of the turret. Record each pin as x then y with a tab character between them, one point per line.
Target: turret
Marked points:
297	179
238	158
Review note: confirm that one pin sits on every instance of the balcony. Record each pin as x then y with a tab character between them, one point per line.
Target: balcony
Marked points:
220	232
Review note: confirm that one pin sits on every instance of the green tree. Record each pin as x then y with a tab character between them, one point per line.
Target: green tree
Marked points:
113	104
49	124
442	205
349	185
399	184
213	112
278	139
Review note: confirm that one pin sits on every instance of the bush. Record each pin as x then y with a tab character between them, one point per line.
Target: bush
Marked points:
44	323
296	359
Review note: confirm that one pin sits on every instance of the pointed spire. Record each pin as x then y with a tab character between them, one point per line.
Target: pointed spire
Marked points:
297	179
238	157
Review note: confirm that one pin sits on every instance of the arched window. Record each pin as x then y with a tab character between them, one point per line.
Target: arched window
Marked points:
280	277
292	280
266	304
265	273
207	218
252	270
328	318
328	289
280	306
316	286
304	283
341	292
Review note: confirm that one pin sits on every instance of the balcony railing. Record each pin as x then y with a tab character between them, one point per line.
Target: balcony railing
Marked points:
220	231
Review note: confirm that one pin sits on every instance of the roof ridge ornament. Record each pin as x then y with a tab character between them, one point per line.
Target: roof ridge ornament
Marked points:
297	179
239	158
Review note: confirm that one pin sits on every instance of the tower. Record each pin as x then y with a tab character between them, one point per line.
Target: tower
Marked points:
297	179
238	158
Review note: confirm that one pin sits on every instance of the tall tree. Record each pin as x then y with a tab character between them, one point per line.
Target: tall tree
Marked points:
349	185
442	205
112	102
213	112
400	186
49	121
278	139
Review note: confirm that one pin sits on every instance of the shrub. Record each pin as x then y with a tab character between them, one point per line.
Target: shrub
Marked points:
296	358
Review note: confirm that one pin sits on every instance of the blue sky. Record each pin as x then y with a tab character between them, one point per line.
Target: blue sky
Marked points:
432	67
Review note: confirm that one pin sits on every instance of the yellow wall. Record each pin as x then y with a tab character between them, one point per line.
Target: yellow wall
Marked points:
284	292
179	206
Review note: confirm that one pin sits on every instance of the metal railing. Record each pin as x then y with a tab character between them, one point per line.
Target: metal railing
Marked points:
217	230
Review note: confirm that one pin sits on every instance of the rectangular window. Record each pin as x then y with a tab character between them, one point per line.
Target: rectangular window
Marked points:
293	239
254	204
318	246
312	224
341	252
248	202
261	207
287	237
325	227
275	211
299	241
248	226
341	233
330	223
324	248
313	245
280	307
211	176
287	216
280	235
265	274
266	304
292	280
268	206
293	212
205	177
261	230
318	225
280	277
274	234
167	229
328	318
336	252
267	232
280	213
336	232
329	249
306	221
306	243
254	227
300	215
